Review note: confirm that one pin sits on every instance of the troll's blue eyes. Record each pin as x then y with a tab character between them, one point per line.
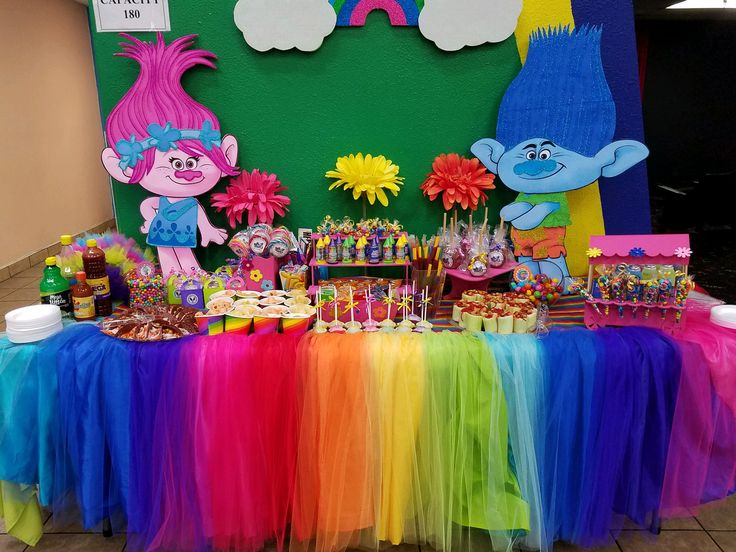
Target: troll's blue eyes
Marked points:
531	155
545	154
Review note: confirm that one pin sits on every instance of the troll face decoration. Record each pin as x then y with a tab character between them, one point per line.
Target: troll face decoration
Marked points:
555	127
172	146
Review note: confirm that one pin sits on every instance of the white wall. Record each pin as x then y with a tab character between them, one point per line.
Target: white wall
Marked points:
51	179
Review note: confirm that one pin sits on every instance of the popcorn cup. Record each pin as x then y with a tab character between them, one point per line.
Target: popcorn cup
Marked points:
265	324
472	322
520	325
490	324
213	324
295	325
240	325
506	324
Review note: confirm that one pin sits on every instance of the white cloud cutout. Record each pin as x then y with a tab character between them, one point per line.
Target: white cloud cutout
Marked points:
285	24
454	24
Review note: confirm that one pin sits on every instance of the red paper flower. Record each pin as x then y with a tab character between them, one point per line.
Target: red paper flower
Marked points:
256	193
461	181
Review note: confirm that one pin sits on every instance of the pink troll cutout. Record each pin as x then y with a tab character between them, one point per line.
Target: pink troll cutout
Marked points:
179	155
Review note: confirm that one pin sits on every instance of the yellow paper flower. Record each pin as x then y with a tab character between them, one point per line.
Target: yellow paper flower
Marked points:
256	275
367	175
594	252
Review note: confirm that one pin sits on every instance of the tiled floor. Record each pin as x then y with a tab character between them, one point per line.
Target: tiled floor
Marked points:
713	530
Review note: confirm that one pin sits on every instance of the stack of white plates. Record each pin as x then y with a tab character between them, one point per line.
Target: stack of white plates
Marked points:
34	323
724	315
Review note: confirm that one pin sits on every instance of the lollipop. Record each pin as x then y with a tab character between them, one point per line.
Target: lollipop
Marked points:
585	294
633	290
258	239
496	257
618	291
239	243
452	258
665	294
604	285
683	284
478	265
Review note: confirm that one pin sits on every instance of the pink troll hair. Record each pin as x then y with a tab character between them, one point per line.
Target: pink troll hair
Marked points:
157	96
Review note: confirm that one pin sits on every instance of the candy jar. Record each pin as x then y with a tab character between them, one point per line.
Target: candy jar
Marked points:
388	250
331	250
374	251
347	245
401	245
319	250
360	247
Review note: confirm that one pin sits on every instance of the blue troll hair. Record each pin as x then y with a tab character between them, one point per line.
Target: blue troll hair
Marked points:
560	94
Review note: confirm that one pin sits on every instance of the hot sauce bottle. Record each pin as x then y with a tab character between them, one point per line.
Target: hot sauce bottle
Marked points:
83	298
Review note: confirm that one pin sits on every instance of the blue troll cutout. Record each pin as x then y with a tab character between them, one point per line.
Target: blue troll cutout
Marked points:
555	127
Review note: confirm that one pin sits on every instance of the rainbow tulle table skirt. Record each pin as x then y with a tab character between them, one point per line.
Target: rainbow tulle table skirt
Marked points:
329	442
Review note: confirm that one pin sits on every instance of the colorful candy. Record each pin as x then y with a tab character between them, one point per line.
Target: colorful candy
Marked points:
650	295
146	286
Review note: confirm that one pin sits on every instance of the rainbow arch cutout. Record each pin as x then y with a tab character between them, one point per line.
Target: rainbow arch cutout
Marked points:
401	13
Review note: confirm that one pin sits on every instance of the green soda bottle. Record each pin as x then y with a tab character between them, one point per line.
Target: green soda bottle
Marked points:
55	288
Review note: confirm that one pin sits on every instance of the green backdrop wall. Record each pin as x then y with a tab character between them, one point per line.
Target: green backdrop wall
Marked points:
376	89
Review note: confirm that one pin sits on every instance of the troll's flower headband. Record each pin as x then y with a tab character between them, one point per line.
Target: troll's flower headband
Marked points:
164	139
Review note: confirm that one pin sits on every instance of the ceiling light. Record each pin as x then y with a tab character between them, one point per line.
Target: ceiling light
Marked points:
703	4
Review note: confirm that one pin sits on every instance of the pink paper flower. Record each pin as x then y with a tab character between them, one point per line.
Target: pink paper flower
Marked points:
254	192
683	252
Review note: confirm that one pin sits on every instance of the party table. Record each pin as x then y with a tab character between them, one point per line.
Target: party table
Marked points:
449	439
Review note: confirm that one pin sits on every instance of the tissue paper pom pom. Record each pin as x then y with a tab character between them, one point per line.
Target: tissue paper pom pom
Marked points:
461	181
369	175
255	192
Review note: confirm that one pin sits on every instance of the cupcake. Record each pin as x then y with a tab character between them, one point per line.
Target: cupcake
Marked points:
424	325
